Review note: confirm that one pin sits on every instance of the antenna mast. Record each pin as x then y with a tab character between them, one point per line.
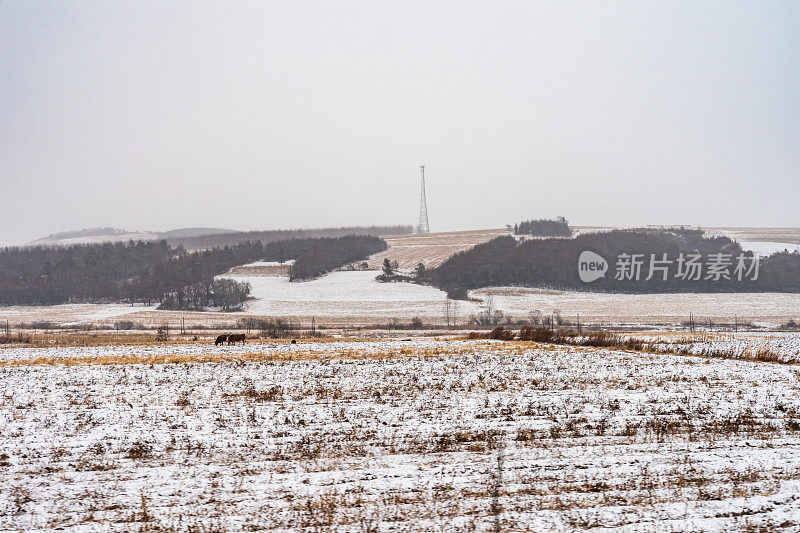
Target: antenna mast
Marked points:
423	207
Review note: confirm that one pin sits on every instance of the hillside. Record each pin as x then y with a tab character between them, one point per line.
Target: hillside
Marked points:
267	236
433	249
93	236
196	238
553	263
430	249
103	235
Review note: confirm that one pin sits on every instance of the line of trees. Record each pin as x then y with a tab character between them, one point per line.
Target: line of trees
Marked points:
265	237
227	294
43	275
558	227
154	272
553	263
315	257
186	280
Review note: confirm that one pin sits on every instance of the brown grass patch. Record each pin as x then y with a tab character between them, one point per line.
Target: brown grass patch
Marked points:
292	353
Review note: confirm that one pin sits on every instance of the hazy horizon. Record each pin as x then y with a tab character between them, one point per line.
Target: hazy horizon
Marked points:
150	116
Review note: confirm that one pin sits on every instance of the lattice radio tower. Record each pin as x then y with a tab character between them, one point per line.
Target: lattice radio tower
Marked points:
423	207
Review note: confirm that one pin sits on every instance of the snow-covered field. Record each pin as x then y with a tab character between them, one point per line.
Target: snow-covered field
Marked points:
776	235
354	295
344	286
69	313
785	346
769	309
421	435
97	239
767	248
354	298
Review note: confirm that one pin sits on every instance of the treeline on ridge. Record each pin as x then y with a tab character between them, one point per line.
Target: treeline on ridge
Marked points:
44	275
314	257
553	263
264	237
154	272
543	227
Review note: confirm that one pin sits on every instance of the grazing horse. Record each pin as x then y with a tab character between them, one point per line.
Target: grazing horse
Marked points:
233	338
221	339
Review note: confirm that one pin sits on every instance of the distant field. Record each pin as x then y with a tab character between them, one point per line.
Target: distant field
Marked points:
606	308
778	235
434	248
431	249
348	299
262	268
70	313
96	239
775	235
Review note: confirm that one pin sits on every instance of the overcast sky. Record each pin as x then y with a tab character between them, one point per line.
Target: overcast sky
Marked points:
159	115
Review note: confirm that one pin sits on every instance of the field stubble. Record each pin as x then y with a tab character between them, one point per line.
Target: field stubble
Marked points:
420	435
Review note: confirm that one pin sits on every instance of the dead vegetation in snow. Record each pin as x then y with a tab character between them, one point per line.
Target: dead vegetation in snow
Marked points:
421	435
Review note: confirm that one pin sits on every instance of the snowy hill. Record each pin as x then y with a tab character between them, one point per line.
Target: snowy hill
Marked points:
99	235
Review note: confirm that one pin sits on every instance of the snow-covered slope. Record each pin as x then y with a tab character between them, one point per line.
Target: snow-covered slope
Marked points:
340	294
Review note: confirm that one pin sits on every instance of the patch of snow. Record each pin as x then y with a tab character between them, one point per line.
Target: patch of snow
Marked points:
67	314
269	263
341	286
767	308
767	248
96	239
344	293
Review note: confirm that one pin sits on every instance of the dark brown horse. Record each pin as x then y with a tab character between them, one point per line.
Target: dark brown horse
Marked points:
233	338
221	339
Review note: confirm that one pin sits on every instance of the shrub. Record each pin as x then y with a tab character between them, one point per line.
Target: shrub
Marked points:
536	334
502	334
139	450
272	394
276	328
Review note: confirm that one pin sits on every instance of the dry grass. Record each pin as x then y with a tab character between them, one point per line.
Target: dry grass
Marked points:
463	435
437	436
285	352
430	249
259	270
65	339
